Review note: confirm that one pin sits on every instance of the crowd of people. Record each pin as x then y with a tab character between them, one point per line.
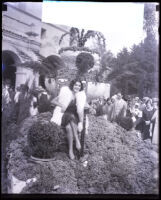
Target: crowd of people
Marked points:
67	107
68	110
130	113
23	102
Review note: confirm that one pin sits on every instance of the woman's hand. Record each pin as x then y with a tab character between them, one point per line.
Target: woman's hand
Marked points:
80	127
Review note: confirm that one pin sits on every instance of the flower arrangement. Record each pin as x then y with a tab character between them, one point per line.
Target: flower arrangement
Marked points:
84	62
45	138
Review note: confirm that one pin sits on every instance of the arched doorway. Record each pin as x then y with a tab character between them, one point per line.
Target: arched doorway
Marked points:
9	60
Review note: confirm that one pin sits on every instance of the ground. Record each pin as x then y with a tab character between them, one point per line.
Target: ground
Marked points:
116	161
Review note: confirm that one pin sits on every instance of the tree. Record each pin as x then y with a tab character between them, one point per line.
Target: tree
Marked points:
107	63
150	19
151	48
137	71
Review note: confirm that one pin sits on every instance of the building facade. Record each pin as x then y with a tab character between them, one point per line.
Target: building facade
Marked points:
26	38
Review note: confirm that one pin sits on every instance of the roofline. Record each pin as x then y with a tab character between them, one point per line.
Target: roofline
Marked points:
55	26
23	11
27	13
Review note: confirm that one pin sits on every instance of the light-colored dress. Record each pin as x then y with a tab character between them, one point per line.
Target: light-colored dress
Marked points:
119	109
155	136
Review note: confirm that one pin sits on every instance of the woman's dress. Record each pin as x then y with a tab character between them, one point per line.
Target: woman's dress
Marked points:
70	115
147	115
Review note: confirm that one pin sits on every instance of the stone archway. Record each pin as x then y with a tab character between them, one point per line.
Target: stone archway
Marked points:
9	60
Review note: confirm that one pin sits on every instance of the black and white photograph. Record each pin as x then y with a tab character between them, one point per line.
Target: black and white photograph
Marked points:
80	98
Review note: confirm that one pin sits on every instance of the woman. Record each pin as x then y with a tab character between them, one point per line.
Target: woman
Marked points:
107	109
113	109
146	119
154	126
69	112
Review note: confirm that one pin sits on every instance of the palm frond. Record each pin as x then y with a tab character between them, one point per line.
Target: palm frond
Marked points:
68	33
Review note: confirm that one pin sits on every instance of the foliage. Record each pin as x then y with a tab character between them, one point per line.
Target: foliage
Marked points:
84	61
107	60
150	20
77	42
78	39
136	72
86	49
53	62
46	67
81	37
107	63
44	139
117	163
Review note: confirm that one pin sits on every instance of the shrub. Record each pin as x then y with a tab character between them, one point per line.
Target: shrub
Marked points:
45	138
84	61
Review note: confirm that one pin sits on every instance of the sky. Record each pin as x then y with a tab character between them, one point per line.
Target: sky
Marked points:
121	23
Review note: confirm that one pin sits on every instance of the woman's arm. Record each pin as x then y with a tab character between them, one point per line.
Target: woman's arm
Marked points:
80	124
81	115
56	102
80	102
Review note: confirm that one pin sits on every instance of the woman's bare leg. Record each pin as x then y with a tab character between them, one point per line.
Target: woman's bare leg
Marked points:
70	140
75	133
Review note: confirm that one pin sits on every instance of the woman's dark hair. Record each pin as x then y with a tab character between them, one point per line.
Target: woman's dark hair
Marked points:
73	82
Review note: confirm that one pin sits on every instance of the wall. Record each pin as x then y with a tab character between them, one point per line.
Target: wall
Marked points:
50	41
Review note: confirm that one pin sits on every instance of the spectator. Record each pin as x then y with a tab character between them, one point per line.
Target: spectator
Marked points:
146	119
16	97
6	105
136	115
5	94
129	107
99	108
23	103
154	126
33	104
44	104
107	109
143	103
113	113
120	107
